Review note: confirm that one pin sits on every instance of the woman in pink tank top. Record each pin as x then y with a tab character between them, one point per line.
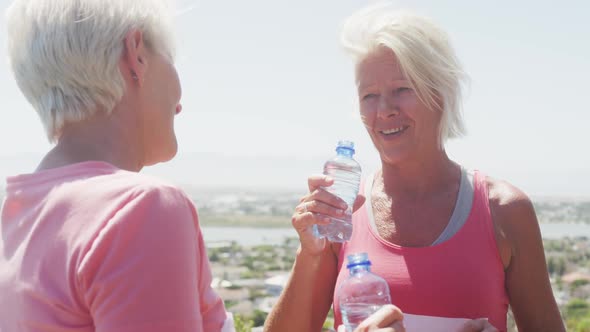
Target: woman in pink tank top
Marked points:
409	88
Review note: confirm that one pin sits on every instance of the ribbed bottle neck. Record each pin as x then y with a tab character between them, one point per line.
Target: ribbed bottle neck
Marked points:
357	269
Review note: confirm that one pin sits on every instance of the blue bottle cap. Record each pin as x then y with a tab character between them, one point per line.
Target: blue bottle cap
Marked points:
345	147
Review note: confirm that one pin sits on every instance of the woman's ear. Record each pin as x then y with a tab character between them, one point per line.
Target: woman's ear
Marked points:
133	60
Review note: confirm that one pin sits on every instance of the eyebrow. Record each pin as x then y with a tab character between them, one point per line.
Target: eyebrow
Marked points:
392	82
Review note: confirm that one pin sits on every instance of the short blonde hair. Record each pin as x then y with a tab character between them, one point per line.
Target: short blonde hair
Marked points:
65	53
424	53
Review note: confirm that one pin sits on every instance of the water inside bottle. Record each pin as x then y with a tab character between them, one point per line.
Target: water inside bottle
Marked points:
354	313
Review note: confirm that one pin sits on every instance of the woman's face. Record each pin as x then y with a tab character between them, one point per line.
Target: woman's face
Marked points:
401	126
161	103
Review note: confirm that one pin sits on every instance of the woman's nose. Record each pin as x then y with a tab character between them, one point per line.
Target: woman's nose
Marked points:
387	107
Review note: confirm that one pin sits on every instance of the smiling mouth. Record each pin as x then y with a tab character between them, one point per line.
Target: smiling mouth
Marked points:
394	131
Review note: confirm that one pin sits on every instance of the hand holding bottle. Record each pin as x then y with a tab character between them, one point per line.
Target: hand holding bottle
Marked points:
387	319
316	207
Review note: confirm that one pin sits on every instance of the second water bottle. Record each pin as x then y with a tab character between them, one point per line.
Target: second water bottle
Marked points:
362	294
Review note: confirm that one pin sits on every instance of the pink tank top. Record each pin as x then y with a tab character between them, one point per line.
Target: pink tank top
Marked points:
462	277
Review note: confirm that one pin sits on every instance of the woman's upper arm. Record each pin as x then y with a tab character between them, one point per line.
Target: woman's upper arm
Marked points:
527	278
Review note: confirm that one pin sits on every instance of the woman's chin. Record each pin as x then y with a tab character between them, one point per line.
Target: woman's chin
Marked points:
171	152
163	154
394	156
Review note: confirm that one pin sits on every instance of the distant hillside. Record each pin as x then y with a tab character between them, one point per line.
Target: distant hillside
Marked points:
563	210
274	207
269	186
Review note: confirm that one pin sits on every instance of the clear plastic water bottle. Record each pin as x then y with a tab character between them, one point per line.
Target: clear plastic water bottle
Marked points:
362	294
346	173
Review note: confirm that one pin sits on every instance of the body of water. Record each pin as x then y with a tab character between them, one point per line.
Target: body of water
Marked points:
248	236
560	230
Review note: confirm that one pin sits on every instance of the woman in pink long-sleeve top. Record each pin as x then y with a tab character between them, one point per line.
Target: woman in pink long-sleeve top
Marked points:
87	243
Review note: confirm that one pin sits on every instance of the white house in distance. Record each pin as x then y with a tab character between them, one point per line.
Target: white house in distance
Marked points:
274	285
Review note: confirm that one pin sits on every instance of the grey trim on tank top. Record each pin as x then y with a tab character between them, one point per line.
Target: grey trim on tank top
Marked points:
460	212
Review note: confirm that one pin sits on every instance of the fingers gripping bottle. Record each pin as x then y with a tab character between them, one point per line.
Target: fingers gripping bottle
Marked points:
346	173
362	294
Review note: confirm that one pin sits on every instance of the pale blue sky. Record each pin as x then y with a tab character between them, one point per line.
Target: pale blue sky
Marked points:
266	81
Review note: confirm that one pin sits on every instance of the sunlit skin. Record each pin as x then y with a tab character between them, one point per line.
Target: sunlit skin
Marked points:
140	129
388	101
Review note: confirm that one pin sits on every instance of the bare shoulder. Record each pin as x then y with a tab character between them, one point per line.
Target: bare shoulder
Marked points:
505	196
507	202
515	221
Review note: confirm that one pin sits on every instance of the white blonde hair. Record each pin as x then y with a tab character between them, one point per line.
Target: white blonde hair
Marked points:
424	53
65	53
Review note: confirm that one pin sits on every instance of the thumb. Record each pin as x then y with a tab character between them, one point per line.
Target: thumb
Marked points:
474	325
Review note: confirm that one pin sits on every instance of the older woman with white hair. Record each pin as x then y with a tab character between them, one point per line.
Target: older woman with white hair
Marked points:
87	243
450	242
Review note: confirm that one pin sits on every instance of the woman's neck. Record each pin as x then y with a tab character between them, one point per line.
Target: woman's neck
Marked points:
419	178
101	138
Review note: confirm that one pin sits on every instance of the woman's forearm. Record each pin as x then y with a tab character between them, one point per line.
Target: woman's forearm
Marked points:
306	300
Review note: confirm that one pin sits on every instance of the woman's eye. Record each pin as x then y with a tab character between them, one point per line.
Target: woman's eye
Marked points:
369	96
400	90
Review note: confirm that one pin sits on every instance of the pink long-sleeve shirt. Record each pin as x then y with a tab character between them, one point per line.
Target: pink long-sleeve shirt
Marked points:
89	247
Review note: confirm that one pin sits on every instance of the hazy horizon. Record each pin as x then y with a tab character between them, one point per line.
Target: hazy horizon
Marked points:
217	172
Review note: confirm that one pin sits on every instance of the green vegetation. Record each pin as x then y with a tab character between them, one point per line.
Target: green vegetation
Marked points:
329	323
245	323
564	210
578	283
568	263
556	266
577	316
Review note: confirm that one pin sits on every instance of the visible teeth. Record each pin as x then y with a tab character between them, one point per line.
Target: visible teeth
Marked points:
392	131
